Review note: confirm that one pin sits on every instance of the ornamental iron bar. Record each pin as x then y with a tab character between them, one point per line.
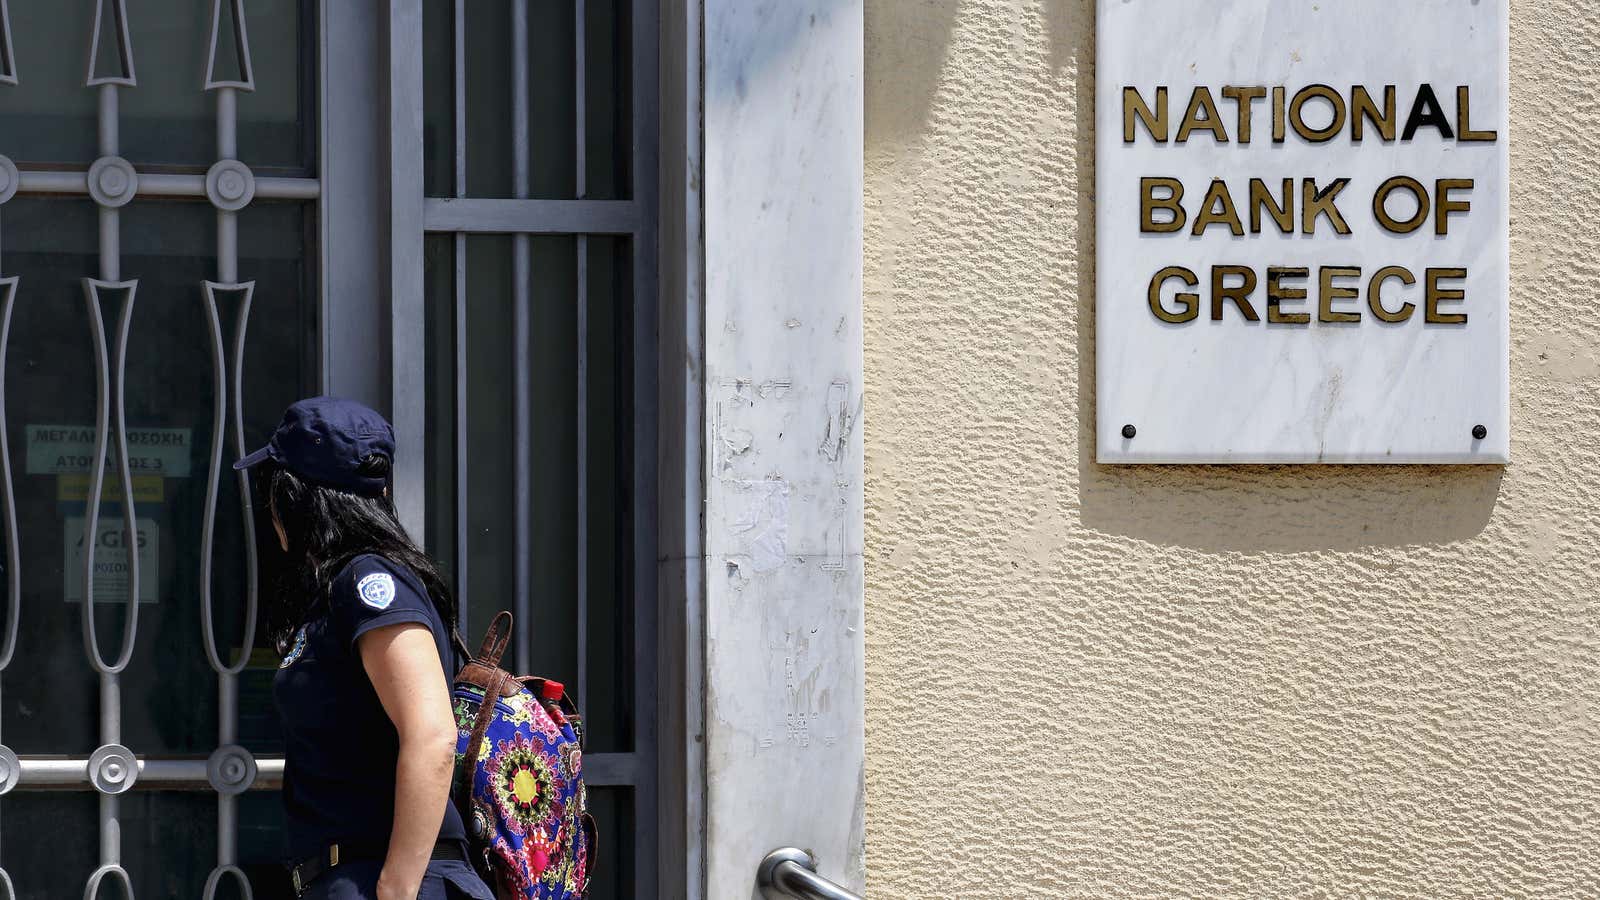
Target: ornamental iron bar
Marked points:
10	766
8	63
241	45
230	186
125	74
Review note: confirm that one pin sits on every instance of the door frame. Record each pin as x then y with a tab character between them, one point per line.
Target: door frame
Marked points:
374	217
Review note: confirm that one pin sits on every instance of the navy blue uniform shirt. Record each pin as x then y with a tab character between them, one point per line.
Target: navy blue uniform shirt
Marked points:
340	747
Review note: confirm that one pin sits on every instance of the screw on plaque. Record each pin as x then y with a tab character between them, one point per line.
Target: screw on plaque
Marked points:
1479	432
1128	431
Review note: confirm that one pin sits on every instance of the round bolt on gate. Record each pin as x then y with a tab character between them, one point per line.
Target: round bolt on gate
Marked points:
10	769
1128	431
113	769
10	179
231	769
112	181
230	185
1479	432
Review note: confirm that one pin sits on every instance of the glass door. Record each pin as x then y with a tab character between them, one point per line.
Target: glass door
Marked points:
159	304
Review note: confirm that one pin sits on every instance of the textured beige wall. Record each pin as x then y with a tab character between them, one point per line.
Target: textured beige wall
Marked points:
1095	682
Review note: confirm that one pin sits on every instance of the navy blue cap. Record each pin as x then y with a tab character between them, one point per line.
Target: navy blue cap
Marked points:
325	439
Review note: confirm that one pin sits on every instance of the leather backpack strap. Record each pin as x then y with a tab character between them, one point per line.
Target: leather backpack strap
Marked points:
495	640
592	836
480	725
469	759
459	645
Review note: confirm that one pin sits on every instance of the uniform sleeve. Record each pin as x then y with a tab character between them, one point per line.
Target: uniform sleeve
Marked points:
372	592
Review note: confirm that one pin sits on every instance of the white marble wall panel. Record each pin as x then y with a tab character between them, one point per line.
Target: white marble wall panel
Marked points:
783	229
1255	391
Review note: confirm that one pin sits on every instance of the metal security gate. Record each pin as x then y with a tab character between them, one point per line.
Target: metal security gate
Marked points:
231	165
130	440
538	290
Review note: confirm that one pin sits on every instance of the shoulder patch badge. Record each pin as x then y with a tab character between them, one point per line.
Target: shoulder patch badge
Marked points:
376	590
295	651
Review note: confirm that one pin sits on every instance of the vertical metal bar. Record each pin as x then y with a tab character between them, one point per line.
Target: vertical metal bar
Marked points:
227	117
107	122
110	233
645	99
521	276
325	267
8	646
227	273
458	61
581	183
227	221
407	309
8	296
111	271
459	301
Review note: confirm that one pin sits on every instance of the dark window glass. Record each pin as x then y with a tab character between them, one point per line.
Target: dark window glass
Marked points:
51	698
554	109
487	351
167	120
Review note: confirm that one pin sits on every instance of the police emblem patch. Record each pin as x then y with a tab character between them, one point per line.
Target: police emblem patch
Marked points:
376	590
295	651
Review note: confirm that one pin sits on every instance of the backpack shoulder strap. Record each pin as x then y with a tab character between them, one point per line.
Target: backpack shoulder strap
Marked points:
495	640
496	685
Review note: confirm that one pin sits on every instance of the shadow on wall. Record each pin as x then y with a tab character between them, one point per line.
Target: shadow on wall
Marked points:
908	42
1245	509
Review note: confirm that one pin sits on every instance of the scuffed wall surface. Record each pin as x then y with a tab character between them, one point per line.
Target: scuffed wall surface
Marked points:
1086	681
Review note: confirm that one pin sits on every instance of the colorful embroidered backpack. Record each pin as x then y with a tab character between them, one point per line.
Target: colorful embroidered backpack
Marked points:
519	778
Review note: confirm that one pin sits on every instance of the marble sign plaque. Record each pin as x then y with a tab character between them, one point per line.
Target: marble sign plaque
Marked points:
1302	231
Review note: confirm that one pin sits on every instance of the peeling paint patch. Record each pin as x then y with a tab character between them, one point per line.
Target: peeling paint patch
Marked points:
737	440
757	516
841	419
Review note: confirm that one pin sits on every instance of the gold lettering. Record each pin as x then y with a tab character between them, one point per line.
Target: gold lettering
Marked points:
1464	130
1327	292
1375	297
1243	98
1380	201
1445	205
1189	302
1239	293
1433	295
1261	200
1314	203
1201	102
1297	113
1149	203
1278	134
1135	109
1218	208
1277	292
1363	110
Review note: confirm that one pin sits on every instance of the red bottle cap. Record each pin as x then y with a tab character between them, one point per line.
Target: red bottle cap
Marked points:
552	690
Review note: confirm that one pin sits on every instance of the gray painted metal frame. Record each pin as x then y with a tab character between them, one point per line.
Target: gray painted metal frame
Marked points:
681	763
412	215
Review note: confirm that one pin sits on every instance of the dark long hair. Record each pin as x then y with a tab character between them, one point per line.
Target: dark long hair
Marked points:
327	528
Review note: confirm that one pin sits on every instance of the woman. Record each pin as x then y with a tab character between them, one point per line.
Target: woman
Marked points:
363	690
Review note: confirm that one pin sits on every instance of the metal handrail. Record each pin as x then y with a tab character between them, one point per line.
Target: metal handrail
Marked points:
792	872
